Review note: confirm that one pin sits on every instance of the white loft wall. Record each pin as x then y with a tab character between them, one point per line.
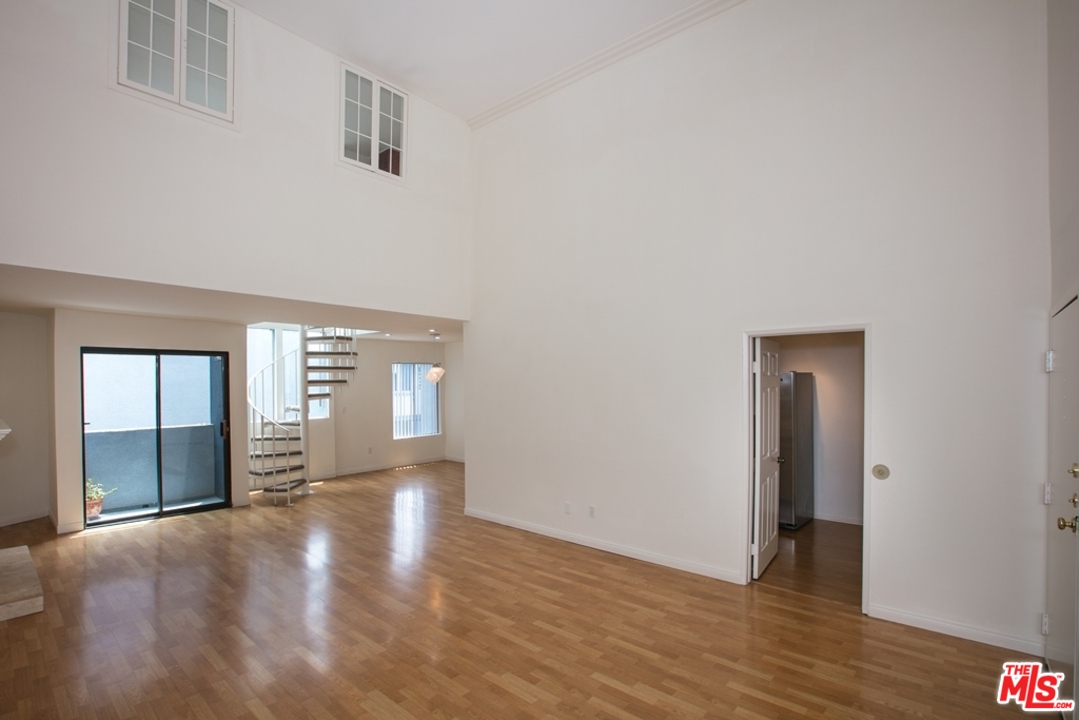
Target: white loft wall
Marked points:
783	165
74	330
363	410
1064	147
25	407
453	392
97	181
837	363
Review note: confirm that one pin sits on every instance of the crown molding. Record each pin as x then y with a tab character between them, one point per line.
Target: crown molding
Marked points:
651	35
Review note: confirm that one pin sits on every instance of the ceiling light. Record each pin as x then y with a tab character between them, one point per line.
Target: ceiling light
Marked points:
437	371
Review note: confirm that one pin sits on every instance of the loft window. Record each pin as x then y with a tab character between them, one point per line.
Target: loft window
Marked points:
179	50
415	401
372	123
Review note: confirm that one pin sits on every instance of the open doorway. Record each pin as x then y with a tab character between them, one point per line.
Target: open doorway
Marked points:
821	457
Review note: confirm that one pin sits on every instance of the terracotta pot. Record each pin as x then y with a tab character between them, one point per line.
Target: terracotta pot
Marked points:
93	508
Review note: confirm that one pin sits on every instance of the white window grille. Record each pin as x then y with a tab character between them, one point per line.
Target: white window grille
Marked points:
179	50
372	123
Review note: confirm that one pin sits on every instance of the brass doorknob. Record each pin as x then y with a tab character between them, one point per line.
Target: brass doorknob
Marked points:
1074	472
1062	523
1074	499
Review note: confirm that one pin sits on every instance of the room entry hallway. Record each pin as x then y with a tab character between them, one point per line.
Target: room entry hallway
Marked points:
822	559
377	597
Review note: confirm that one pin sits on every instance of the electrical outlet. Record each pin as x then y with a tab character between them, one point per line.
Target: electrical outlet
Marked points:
369	450
565	508
591	511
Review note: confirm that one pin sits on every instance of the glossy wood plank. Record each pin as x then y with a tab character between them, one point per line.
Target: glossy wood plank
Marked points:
376	597
822	559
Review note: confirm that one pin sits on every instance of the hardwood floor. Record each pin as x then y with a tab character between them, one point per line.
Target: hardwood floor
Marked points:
822	559
377	597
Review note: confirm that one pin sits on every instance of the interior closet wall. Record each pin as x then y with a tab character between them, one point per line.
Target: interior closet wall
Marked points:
837	361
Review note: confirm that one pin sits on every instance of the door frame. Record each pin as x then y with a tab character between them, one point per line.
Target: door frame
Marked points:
748	431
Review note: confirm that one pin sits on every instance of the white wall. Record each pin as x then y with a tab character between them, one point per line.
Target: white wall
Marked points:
321	460
363	410
784	165
25	407
1064	147
73	330
453	393
837	363
97	181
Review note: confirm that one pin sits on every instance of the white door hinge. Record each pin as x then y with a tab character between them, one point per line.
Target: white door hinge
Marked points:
1045	623
1048	361
1048	499
756	366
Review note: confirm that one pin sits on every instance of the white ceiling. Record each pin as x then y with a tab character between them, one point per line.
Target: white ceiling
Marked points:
467	56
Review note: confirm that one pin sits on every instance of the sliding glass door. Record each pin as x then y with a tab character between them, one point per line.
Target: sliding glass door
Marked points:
155	433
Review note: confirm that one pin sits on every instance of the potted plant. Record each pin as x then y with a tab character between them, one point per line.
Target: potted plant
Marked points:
95	495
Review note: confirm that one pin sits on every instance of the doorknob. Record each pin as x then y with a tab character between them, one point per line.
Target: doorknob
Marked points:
1075	470
1063	524
1074	499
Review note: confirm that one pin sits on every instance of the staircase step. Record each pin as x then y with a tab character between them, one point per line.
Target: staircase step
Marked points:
279	453
328	338
289	423
313	382
276	438
319	395
275	470
284	487
331	353
330	368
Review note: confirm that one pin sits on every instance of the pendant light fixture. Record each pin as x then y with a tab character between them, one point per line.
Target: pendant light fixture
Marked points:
437	371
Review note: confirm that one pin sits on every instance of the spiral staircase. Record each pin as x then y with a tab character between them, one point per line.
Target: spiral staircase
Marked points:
277	428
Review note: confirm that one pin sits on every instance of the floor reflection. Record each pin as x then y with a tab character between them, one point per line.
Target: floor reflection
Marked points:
315	587
409	528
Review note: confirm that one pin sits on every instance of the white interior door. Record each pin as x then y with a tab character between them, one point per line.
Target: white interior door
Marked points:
765	453
1063	544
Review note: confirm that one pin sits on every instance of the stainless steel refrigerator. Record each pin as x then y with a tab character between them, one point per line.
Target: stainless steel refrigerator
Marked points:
796	395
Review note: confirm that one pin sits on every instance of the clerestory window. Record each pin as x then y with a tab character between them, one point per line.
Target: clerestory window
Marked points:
179	50
372	123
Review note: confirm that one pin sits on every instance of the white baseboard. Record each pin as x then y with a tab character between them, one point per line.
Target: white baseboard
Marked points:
827	517
70	528
373	468
1030	646
16	518
626	551
456	460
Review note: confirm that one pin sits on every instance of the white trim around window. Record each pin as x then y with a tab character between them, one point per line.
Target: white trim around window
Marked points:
180	51
372	123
